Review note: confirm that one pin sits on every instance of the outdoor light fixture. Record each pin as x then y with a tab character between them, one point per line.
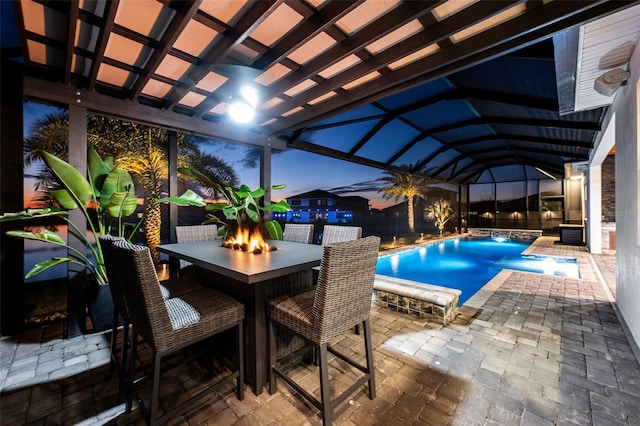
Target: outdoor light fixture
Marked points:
241	112
544	172
243	103
607	83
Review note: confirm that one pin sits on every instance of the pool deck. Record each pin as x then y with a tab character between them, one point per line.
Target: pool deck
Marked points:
528	349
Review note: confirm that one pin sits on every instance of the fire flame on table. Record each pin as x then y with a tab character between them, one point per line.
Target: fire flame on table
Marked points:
250	241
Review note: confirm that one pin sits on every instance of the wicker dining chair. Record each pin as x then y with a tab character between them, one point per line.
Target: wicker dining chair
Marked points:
170	325
298	233
332	234
341	300
120	311
176	286
192	233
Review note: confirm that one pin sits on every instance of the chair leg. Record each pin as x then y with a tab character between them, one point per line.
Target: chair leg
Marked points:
114	337
123	373
155	386
240	360
325	394
369	352
273	386
129	376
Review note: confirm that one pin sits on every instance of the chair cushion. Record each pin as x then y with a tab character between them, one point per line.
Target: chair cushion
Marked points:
181	314
165	292
198	314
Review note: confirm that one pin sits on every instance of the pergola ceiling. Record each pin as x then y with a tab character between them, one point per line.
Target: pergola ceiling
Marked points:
461	90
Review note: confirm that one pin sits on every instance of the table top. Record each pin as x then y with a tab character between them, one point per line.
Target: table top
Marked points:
245	267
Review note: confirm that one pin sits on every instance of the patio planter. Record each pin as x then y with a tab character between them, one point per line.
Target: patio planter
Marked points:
99	307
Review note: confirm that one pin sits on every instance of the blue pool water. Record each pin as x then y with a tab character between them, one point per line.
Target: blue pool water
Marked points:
468	265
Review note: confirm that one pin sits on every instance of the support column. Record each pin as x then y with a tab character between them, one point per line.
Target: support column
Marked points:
265	174
594	209
172	157
460	214
11	200
173	183
77	279
594	187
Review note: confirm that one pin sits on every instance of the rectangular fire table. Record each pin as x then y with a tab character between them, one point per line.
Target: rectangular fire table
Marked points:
252	279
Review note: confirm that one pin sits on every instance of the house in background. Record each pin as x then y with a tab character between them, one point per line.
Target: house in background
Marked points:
319	205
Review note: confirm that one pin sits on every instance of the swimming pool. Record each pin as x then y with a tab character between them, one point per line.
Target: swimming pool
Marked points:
469	264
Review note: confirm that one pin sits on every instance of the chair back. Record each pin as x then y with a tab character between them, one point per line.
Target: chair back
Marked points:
298	233
345	285
147	306
192	233
116	285
332	234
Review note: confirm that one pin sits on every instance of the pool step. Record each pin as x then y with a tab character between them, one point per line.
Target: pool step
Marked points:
436	303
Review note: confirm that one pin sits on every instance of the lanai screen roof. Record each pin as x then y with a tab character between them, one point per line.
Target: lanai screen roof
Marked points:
463	91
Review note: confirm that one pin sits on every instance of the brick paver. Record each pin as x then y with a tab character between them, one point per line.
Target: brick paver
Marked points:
527	350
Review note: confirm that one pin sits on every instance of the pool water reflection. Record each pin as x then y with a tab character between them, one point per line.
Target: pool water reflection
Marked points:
468	265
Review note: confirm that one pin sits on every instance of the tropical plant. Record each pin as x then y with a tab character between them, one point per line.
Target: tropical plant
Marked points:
242	207
440	212
407	185
106	199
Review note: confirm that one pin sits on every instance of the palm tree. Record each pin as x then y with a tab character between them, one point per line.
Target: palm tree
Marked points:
440	212
149	163
405	184
215	169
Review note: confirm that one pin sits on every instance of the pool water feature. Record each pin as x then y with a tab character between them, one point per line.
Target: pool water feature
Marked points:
468	265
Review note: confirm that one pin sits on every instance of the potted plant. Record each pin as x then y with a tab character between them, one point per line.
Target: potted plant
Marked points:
241	207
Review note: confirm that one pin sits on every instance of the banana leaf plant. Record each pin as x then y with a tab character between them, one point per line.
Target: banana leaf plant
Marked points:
107	199
241	208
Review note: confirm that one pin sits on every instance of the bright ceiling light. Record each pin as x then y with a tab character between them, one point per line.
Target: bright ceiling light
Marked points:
241	112
249	94
242	108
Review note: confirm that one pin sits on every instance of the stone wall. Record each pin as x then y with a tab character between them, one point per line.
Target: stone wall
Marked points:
435	303
608	170
512	234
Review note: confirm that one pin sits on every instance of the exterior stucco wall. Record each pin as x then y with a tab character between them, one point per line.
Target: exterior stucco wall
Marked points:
625	108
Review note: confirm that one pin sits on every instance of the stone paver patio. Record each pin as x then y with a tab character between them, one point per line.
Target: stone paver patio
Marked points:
528	349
